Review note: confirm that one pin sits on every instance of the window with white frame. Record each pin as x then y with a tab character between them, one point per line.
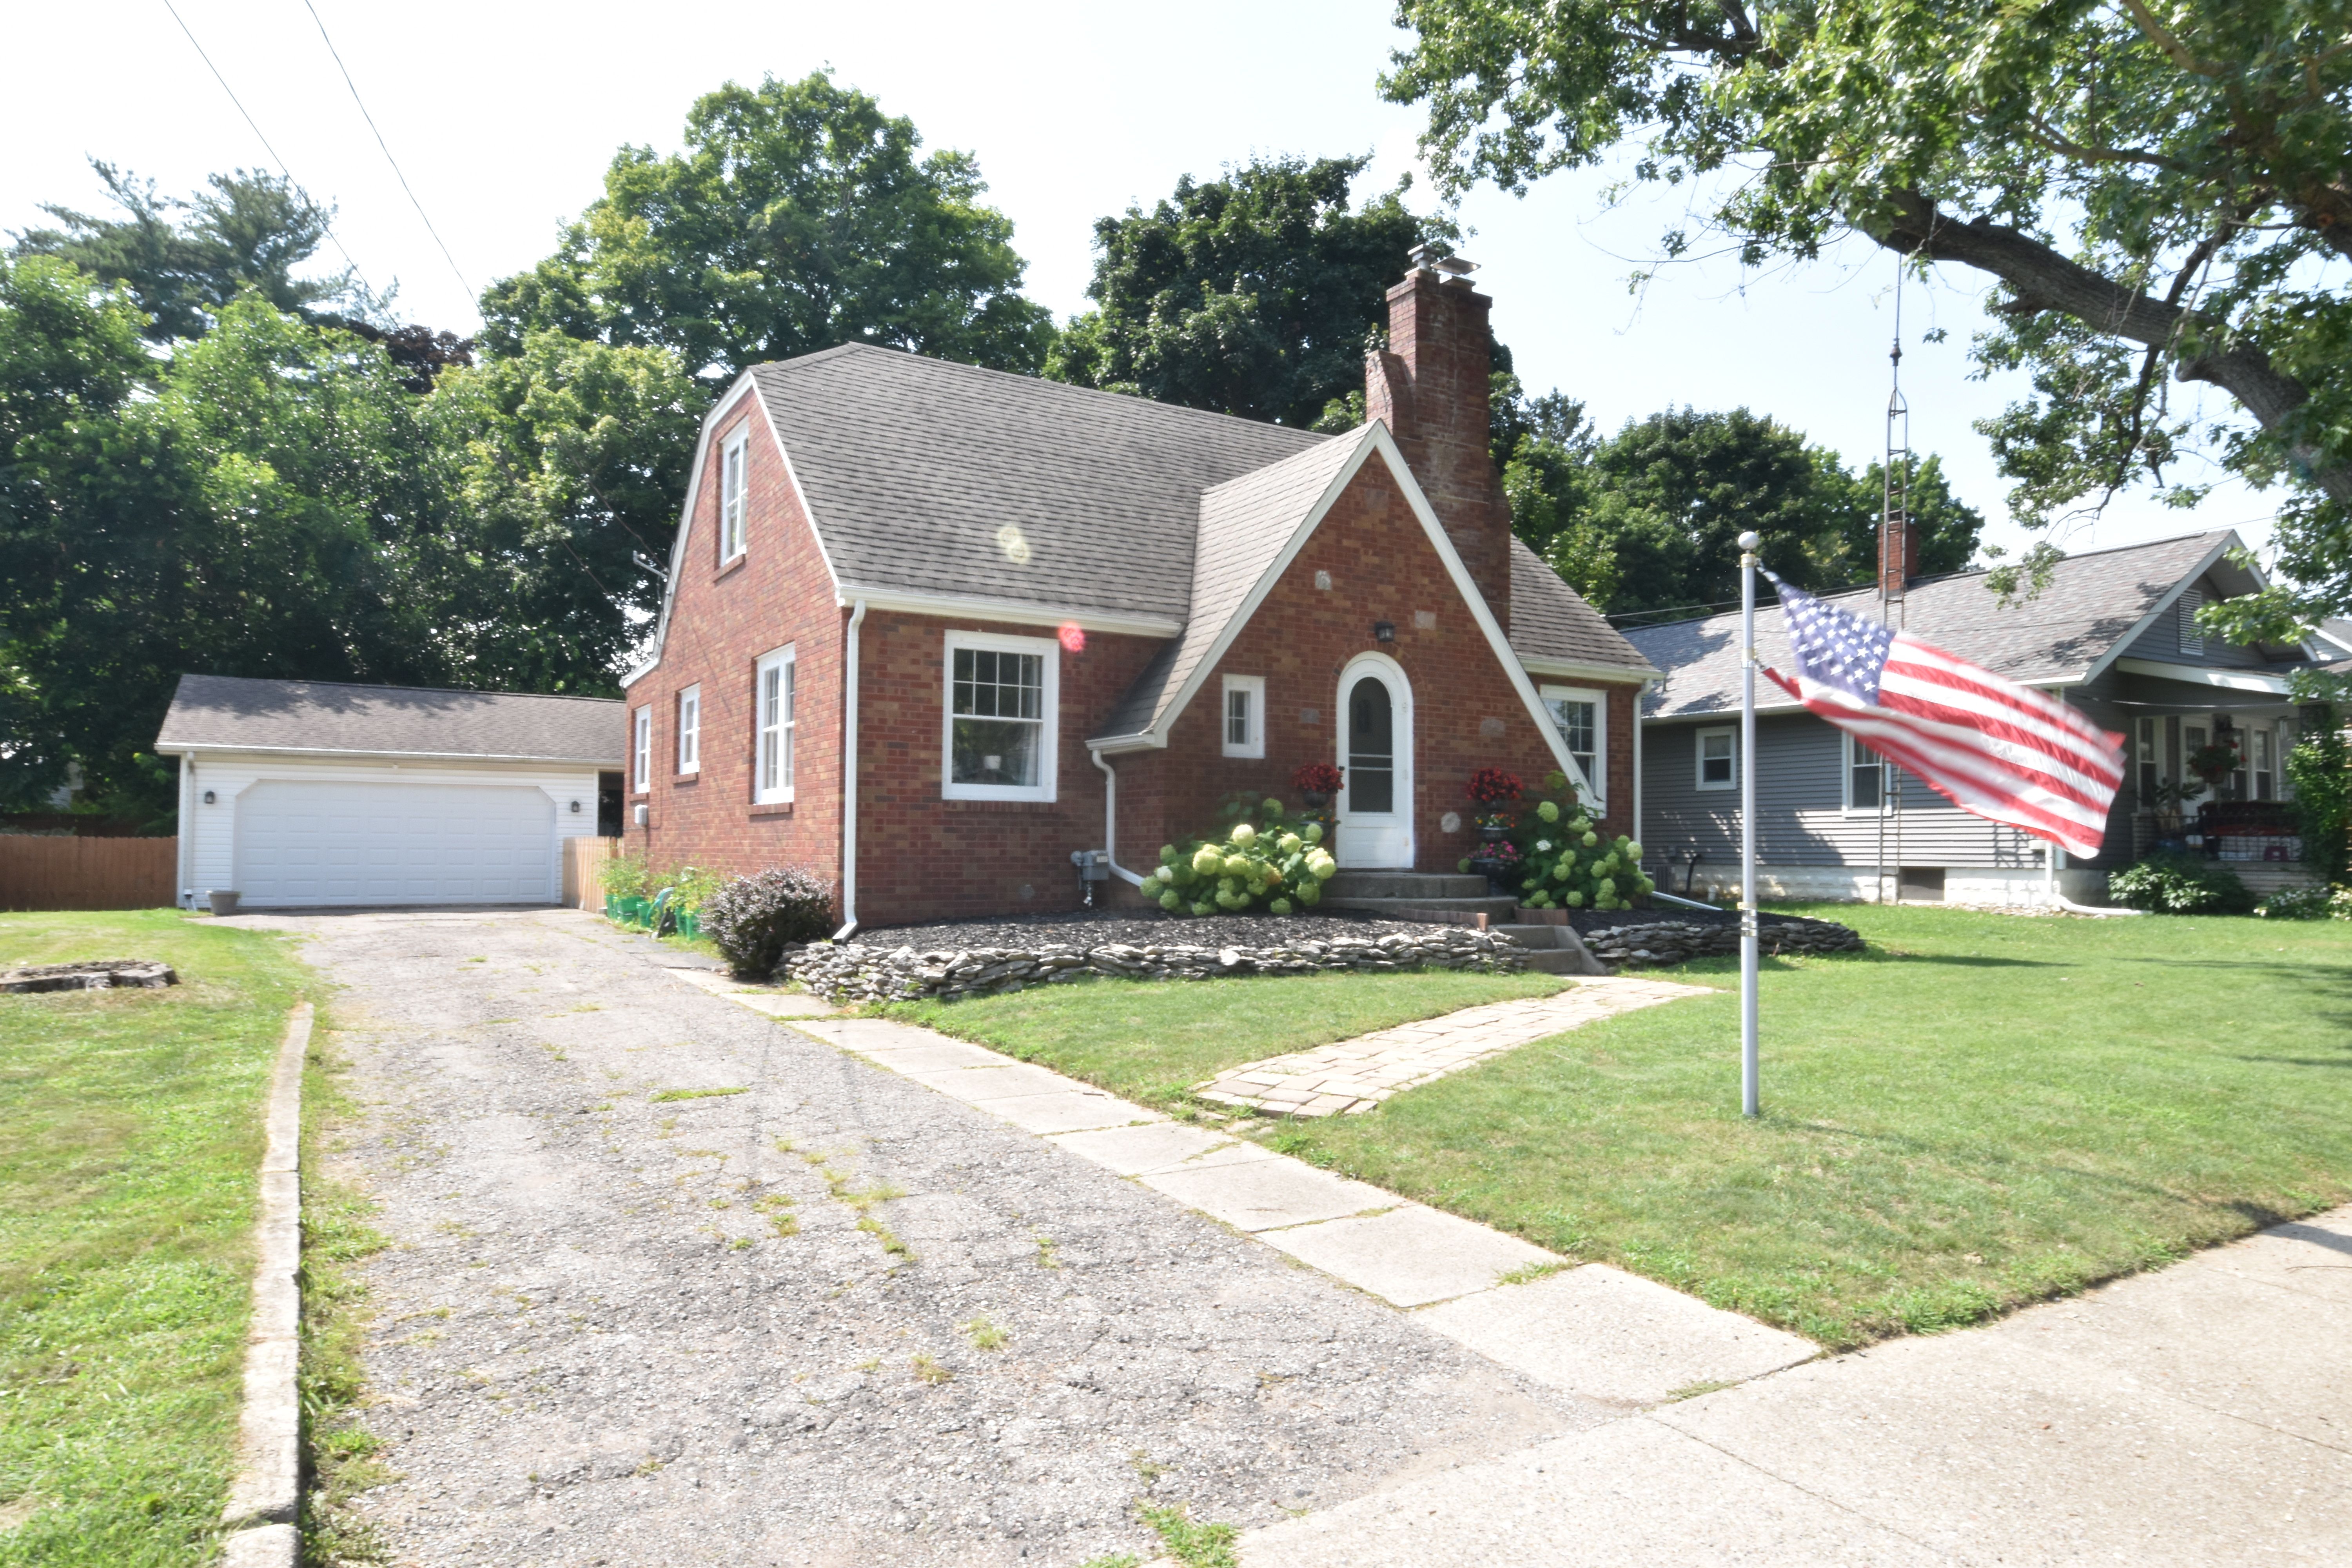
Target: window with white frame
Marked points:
641	751
775	701
2261	761
1865	776
734	465
1719	758
1246	715
2286	739
2147	758
689	730
1581	716
1001	728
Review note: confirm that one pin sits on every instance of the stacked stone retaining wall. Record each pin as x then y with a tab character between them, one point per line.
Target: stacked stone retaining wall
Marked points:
853	972
1677	941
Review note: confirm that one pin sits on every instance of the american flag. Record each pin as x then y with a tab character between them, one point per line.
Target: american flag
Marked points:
1980	741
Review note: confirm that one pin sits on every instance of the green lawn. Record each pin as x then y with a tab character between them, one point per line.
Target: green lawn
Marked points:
130	1136
1151	1040
1982	1110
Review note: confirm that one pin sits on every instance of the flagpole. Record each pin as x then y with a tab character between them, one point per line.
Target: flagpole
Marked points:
1748	1098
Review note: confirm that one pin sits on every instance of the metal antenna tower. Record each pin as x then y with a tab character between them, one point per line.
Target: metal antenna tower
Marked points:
1894	524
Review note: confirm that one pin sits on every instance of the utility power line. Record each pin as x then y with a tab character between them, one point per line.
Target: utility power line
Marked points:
387	149
332	238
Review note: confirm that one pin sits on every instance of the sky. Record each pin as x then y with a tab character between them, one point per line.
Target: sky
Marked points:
502	118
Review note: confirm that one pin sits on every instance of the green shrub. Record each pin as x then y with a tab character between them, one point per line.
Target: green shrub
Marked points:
2308	904
1564	863
753	918
626	876
2180	884
1266	858
2320	768
690	887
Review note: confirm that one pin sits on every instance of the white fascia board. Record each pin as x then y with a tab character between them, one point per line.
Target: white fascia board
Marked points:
1573	671
2206	674
190	748
1012	611
1174	709
2170	597
1117	744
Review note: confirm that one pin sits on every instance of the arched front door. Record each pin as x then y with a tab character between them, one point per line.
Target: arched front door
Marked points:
1376	751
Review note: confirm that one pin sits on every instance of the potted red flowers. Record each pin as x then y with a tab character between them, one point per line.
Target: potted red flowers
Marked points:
1316	783
1492	791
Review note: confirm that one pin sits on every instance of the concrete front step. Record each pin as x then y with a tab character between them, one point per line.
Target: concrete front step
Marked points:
1441	911
1419	886
1553	949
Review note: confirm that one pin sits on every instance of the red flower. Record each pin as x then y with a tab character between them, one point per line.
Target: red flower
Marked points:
1318	778
1492	786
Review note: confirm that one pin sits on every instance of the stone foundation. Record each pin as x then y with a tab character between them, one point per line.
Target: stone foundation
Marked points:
1676	941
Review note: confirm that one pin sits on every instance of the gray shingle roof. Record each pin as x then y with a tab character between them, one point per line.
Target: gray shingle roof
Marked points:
1244	526
235	712
912	467
2093	600
1550	620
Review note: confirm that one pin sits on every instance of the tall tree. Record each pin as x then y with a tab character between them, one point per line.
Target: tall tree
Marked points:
2153	188
184	261
797	217
1252	295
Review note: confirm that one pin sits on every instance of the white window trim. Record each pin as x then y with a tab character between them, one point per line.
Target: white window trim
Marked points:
734	494
640	752
1846	744
689	730
1049	762
785	660
1698	759
1254	685
1599	798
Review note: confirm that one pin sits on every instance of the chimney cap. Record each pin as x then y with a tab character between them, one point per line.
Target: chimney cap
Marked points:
1424	259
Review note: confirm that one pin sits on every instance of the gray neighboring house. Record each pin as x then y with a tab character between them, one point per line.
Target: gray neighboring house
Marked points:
313	792
2114	634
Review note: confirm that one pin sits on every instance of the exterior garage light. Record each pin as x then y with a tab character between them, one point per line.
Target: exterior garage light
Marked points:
210	798
1384	631
575	808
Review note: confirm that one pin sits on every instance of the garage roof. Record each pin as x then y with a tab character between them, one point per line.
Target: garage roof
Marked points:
229	712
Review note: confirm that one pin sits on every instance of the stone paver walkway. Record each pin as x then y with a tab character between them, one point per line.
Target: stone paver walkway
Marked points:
1354	1076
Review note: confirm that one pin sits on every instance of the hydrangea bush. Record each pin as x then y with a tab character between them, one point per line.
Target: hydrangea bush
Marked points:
1267	859
753	918
1564	862
2308	904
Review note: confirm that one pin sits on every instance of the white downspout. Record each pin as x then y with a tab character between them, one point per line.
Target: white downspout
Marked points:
1110	818
185	853
849	779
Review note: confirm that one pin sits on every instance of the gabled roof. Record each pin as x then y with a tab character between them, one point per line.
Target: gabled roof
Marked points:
1554	632
223	712
1247	526
914	468
2096	603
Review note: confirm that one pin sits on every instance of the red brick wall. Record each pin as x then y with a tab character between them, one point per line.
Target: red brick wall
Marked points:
921	858
1382	568
724	618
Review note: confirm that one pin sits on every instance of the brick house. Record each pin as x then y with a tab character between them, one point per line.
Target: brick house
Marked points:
1030	619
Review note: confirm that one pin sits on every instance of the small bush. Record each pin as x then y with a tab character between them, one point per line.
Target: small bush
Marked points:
691	887
625	876
2308	904
753	918
2180	884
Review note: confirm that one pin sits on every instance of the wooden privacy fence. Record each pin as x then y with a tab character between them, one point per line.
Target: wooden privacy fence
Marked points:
583	874
40	872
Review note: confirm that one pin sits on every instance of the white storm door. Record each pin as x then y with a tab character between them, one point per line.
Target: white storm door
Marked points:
1376	752
313	841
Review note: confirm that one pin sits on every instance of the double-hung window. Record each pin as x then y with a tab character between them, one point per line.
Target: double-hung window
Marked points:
734	475
689	730
1865	776
1719	758
775	718
1244	715
640	752
1581	716
1002	728
2148	760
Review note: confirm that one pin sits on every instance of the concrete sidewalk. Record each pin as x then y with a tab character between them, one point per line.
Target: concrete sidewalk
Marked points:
2200	1414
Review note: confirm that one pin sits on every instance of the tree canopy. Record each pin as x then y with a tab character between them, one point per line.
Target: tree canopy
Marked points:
796	217
1254	295
2154	189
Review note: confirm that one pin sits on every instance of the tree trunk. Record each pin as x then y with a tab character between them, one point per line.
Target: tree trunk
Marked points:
2045	281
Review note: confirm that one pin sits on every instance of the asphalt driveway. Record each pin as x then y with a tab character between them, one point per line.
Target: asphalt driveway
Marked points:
595	1342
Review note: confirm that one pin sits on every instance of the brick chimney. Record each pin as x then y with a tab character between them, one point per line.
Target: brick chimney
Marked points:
1429	387
1899	555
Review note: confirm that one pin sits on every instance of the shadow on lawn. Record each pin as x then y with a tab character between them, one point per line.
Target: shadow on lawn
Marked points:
1986	1162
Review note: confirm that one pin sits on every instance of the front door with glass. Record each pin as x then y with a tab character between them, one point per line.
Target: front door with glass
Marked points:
1376	751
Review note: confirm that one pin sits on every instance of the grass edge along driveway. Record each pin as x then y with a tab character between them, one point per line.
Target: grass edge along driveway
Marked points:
131	1133
1981	1111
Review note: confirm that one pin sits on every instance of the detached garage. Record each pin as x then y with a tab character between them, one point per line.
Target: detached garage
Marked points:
307	792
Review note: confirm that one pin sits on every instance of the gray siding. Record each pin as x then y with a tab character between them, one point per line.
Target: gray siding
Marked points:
1799	816
2162	639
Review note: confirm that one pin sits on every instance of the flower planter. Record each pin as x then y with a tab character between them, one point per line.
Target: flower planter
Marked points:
223	902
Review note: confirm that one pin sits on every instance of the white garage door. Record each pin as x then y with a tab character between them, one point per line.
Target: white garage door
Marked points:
312	842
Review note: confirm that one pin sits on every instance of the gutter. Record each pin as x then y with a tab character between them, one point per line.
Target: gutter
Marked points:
1110	818
849	780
